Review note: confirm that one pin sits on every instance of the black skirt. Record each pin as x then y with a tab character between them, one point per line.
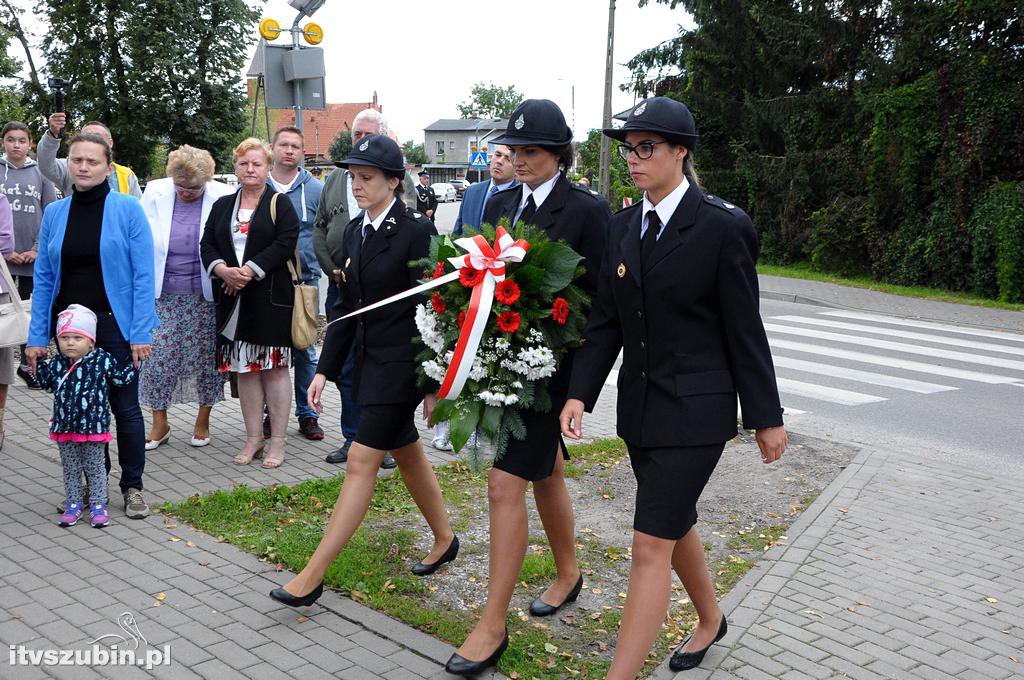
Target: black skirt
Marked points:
387	427
668	483
533	458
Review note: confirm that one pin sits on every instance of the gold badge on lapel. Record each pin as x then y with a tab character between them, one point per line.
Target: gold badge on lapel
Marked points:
622	270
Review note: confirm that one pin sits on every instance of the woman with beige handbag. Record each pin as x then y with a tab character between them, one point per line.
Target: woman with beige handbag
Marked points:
13	317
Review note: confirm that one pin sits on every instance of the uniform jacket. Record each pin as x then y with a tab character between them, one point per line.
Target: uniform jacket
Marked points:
569	214
56	170
332	217
80	404
385	352
126	254
158	204
305	198
690	330
426	199
470	210
28	193
265	312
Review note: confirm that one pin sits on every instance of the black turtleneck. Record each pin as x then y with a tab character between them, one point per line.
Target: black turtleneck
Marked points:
81	274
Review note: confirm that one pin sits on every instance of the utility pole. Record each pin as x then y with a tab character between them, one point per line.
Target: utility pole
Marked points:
606	143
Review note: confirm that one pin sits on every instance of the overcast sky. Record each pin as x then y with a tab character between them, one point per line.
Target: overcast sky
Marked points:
423	57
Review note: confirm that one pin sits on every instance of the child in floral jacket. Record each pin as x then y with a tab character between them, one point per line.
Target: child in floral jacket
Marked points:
79	378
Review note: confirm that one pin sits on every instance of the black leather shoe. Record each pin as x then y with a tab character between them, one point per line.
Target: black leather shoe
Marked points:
542	608
388	463
683	661
284	597
450	554
340	455
30	380
459	665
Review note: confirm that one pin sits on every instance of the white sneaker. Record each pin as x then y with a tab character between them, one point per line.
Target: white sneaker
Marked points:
442	444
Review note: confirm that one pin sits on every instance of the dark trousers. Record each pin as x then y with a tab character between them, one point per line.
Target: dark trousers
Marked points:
350	411
24	284
124	403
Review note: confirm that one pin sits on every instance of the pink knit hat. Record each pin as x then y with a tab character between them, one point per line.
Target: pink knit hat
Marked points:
77	319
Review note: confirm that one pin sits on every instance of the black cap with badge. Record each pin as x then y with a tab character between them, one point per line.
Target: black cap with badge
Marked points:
378	151
536	122
423	173
661	115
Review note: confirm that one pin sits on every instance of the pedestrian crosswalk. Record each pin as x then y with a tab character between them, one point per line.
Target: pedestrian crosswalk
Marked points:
855	359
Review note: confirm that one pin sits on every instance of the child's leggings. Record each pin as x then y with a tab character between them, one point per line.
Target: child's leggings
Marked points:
87	457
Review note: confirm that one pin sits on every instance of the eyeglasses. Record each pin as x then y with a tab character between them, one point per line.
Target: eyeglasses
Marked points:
189	190
643	150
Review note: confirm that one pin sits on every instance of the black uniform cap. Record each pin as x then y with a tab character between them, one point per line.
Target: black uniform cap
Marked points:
664	116
421	173
378	151
536	122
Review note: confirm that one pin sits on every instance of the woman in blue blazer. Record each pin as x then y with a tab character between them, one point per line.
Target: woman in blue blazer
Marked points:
96	250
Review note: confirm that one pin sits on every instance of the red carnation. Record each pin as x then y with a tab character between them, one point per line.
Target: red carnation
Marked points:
470	277
255	366
560	311
508	322
277	358
439	270
507	292
462	319
438	303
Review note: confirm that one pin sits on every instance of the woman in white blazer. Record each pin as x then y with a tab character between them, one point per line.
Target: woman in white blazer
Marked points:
182	368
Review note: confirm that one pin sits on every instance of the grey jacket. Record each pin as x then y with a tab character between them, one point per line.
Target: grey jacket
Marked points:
332	216
29	193
56	169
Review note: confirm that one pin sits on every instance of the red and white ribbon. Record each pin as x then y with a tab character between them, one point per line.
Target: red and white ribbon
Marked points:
482	256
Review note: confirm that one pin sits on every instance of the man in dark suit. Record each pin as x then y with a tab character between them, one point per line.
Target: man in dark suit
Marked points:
426	199
474	201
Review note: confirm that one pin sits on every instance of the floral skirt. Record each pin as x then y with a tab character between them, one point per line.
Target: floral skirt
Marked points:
244	357
182	369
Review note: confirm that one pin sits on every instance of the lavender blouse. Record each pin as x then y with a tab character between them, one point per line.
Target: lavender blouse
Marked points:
183	268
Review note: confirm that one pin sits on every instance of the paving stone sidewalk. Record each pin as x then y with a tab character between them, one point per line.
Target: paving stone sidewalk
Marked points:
902	568
62	588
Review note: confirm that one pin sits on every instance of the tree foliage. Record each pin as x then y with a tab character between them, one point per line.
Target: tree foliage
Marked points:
155	71
414	153
589	165
341	146
490	101
861	135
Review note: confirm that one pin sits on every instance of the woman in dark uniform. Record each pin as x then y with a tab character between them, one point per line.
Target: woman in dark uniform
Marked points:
541	146
678	294
378	244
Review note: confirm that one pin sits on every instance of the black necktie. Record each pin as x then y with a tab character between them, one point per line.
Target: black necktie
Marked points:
650	240
367	229
529	210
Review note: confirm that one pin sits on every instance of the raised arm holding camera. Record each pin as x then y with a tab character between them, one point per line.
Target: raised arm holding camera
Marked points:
122	179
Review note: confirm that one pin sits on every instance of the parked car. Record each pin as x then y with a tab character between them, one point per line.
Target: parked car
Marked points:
460	187
445	192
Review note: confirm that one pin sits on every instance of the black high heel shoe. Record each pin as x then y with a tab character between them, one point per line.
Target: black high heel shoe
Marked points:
542	608
684	661
449	555
459	665
284	597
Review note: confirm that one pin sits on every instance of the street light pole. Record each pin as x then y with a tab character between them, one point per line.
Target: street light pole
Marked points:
606	143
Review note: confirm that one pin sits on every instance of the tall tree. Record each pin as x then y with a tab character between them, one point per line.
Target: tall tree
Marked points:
340	146
490	101
153	71
414	153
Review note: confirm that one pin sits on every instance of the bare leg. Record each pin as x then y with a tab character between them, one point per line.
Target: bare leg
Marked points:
160	425
250	399
349	510
277	387
688	561
422	484
507	500
201	430
650	583
555	509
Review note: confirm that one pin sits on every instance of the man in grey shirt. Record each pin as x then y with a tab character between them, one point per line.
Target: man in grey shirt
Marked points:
122	180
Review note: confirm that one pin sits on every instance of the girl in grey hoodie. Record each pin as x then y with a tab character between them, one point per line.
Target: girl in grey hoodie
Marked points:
28	193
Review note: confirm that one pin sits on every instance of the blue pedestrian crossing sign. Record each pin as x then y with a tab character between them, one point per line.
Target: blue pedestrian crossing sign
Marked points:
478	159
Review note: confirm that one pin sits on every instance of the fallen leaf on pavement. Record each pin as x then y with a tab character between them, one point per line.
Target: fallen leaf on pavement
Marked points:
991	600
175	539
550	648
302	619
161	596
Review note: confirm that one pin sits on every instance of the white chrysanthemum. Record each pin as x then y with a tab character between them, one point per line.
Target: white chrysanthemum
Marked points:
434	370
479	370
426	324
492	398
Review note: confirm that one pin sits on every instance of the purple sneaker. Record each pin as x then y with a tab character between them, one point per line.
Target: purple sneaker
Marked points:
100	518
72	513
